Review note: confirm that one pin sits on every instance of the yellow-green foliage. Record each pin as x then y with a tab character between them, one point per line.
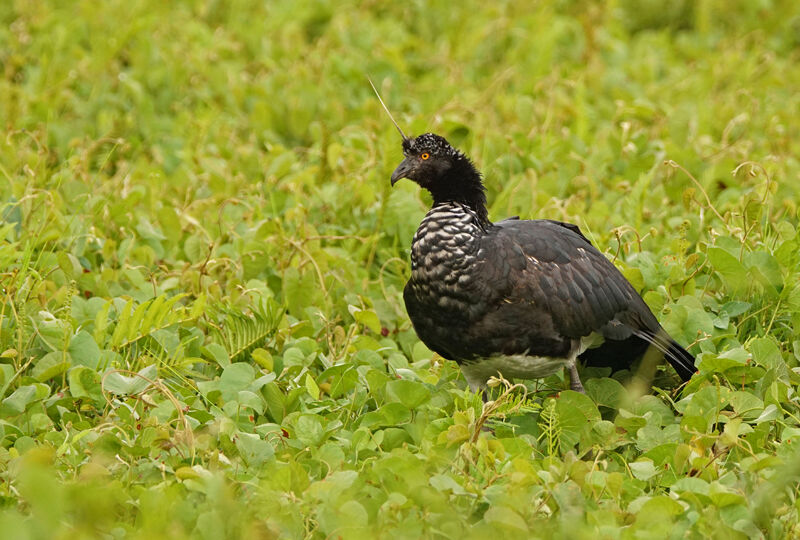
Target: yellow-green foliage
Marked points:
201	263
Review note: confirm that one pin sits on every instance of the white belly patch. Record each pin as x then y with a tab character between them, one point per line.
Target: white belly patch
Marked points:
522	366
512	366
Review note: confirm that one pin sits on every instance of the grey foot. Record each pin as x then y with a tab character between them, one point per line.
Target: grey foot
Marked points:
574	379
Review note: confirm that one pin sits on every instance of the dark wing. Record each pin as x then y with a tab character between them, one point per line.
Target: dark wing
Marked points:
571	226
548	274
553	268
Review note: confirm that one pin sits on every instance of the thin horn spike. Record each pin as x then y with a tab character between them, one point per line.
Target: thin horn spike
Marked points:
385	108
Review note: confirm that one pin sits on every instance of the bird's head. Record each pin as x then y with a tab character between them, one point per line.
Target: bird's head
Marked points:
435	165
447	173
428	158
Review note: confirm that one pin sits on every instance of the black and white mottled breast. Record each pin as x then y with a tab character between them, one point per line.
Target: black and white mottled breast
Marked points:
443	252
441	296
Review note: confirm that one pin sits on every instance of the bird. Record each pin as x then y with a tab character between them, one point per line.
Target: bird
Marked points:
518	298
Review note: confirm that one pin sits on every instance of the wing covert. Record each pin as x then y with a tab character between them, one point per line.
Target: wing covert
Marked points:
554	268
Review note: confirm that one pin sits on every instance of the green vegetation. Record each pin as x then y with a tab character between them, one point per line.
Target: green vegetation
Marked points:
201	262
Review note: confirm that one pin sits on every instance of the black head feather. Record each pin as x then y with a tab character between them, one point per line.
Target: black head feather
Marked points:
433	144
446	172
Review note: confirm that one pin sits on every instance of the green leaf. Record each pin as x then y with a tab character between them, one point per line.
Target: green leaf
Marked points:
119	384
606	392
746	404
276	401
6	377
688	319
707	402
101	323
651	436
17	402
195	248
344	379
311	387
84	351
733	273
294	356
736	308
576	413
217	353
445	482
235	377
51	365
769	414
722	497
299	290
263	358
54	332
366	317
766	353
643	470
691	485
353	514
412	394
764	268
69	264
198	307
308	429
252	400
122	329
661	507
148	231
391	414
254	450
420	352
85	383
506	519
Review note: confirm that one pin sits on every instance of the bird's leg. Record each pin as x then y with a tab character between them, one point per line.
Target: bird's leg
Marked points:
574	378
476	381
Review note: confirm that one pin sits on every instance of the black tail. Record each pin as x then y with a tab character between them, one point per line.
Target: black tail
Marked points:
678	357
619	355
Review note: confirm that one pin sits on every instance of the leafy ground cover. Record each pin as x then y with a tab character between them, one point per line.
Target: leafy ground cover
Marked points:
202	331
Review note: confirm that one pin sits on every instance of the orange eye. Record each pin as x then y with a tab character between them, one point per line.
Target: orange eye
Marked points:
425	155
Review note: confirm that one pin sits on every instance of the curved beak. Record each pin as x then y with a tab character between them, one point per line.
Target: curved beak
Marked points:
402	170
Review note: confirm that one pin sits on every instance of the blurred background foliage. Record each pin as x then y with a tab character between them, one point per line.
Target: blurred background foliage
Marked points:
202	331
